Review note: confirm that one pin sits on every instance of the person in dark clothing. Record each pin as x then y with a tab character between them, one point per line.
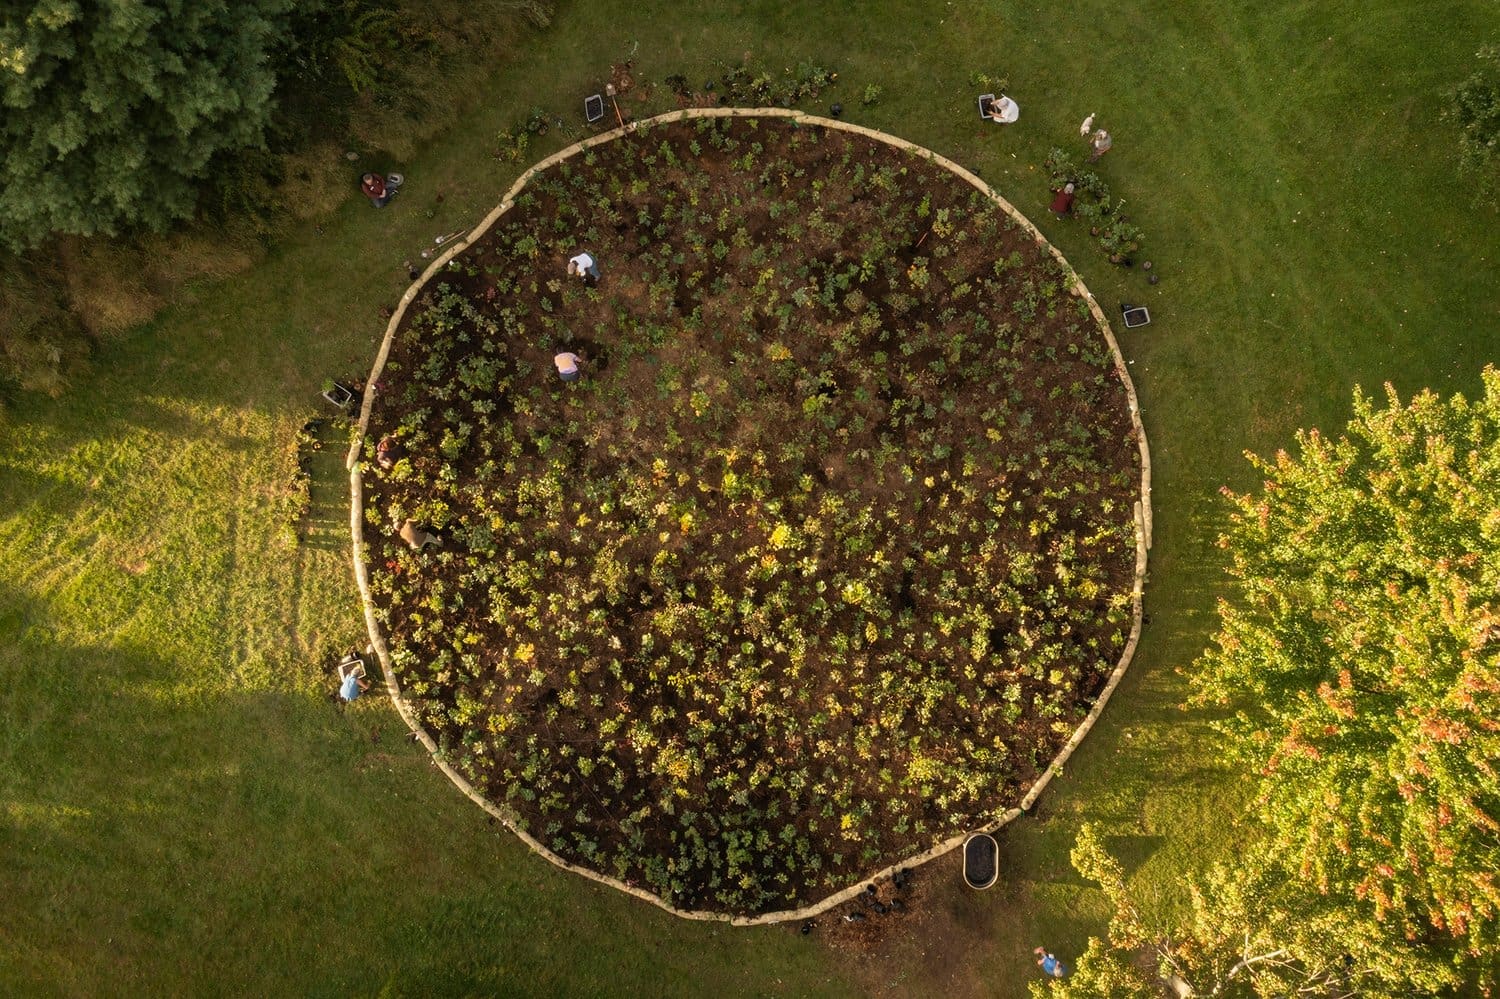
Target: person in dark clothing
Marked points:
374	187
388	452
1062	204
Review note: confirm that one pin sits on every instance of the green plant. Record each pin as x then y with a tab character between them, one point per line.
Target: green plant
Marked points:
352	39
1120	237
1360	648
996	84
162	94
1094	187
1061	168
729	578
1474	106
743	85
512	144
516	140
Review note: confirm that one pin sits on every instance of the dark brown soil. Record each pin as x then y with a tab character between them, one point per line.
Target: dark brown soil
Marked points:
822	559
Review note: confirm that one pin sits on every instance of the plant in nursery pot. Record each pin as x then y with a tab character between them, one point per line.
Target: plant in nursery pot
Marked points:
1120	239
1094	188
1062	169
1089	211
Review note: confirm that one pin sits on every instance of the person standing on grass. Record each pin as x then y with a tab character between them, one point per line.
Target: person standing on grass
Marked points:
583	266
1100	144
567	366
373	186
1050	965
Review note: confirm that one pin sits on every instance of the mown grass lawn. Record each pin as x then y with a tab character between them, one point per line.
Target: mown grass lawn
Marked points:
181	810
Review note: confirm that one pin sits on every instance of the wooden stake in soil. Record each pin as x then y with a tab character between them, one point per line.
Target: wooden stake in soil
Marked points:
609	89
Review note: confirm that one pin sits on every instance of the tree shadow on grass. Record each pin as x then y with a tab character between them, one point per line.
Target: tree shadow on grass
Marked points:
22	486
163	831
141	807
326	524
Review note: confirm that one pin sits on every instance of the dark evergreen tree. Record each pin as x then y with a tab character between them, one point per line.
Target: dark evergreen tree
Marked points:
111	110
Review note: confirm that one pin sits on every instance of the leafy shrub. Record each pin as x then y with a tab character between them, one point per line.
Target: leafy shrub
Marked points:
1475	107
1117	235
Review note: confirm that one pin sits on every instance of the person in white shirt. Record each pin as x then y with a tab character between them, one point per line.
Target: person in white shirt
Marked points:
1003	110
567	366
583	266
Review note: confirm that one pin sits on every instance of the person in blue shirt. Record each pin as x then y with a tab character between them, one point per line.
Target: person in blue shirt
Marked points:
1049	964
353	686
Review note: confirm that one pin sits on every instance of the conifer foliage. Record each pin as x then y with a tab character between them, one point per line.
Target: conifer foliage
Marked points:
110	111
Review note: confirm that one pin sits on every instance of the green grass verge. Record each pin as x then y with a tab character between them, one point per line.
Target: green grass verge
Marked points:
182	812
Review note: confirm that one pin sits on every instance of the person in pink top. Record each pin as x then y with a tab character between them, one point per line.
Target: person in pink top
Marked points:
567	366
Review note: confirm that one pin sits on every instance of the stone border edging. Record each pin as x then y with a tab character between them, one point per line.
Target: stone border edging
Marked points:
377	640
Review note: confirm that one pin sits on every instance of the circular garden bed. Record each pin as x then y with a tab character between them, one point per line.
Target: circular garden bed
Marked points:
820	562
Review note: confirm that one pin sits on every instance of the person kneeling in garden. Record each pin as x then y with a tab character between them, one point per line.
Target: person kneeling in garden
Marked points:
353	683
1003	110
1062	202
583	266
567	366
388	452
